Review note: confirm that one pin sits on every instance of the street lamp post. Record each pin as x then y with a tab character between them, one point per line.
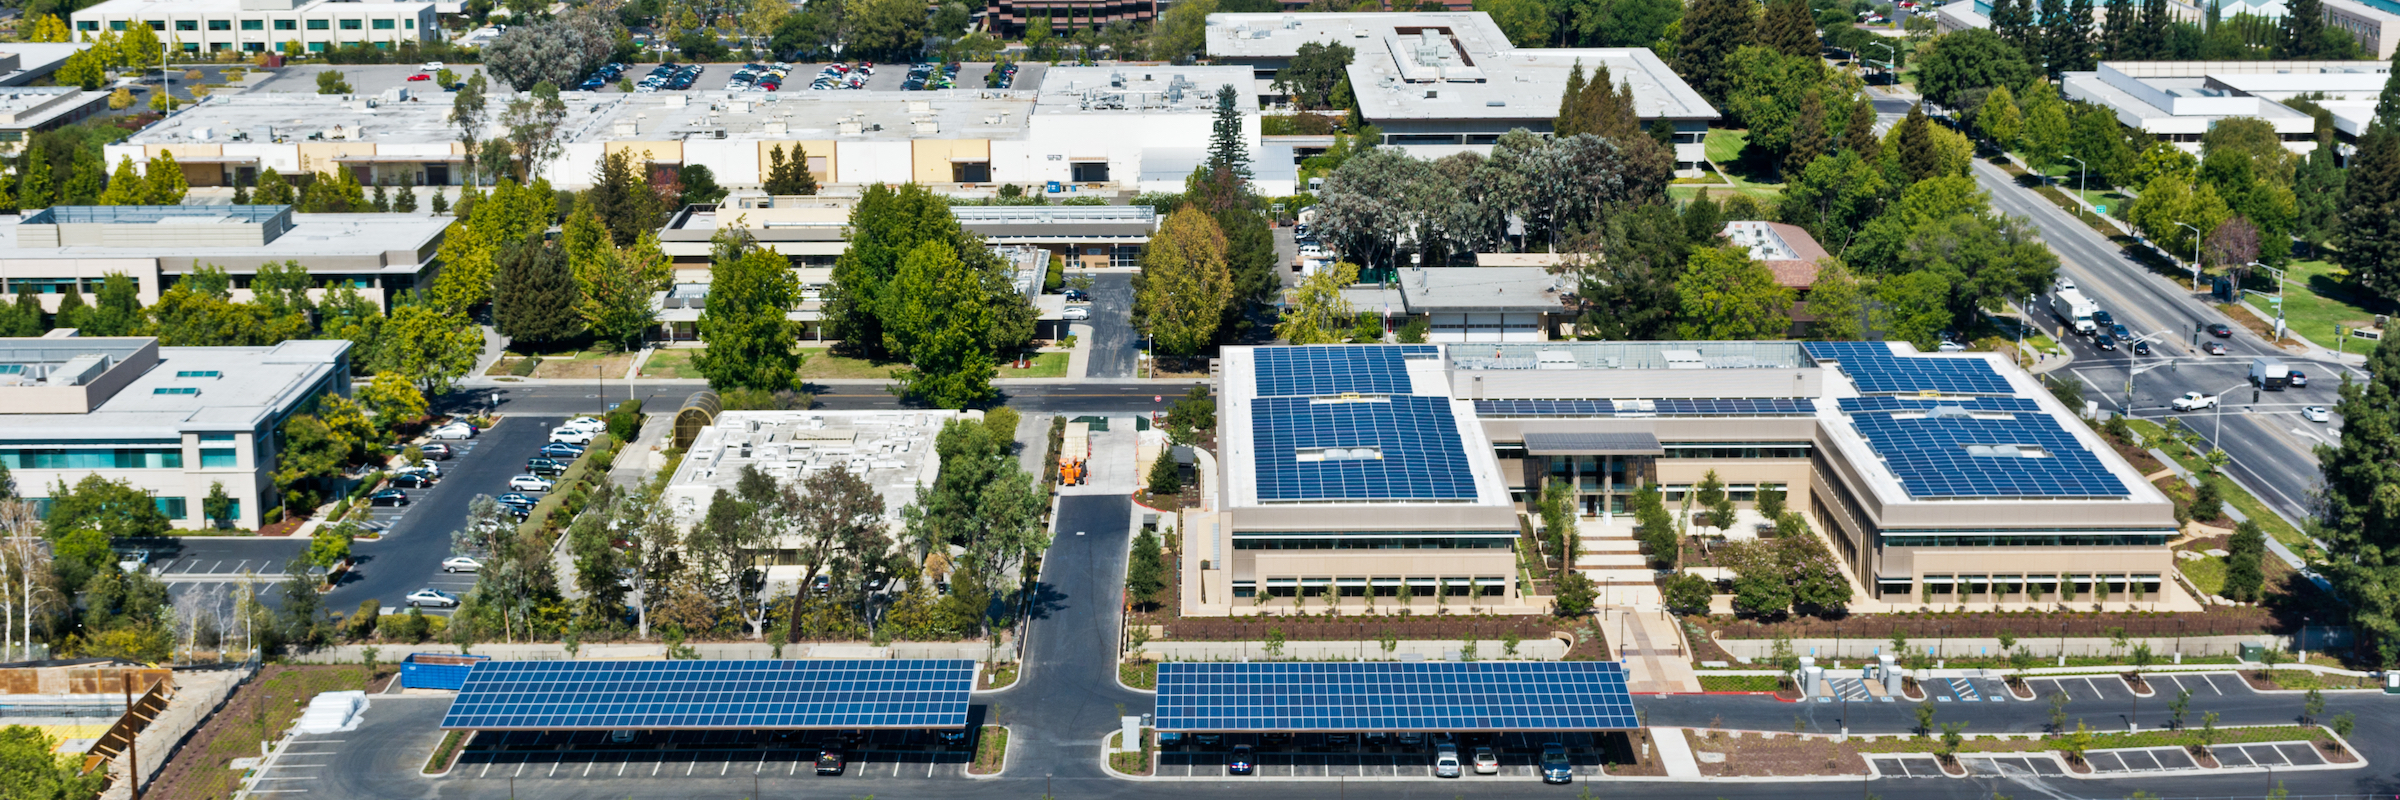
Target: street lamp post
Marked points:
2081	170
2196	234
1893	64
2279	280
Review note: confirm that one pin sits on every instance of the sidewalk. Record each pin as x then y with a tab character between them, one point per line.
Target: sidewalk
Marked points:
1654	664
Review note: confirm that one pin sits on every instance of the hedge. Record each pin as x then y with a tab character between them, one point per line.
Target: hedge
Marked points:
568	481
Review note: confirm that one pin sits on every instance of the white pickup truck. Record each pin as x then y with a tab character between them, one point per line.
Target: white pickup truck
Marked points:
2194	401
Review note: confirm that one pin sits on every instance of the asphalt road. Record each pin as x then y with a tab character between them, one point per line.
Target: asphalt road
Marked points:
409	557
1114	343
2270	445
559	399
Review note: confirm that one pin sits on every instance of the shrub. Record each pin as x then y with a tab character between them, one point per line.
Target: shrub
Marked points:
625	421
1166	476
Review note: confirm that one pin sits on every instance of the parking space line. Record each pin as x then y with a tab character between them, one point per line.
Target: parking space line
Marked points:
2212	683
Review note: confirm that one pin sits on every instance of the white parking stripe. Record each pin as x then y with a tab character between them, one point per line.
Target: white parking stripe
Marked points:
2212	683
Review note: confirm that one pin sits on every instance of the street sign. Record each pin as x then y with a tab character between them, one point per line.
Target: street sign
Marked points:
2100	208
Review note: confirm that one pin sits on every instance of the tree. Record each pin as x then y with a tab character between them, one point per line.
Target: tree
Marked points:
85	70
748	341
32	769
615	293
1146	570
472	248
113	509
621	199
394	400
1999	120
1790	28
1625	273
886	224
1181	295
1526	23
2013	24
139	47
1913	307
1916	152
557	51
534	296
2235	242
1952	65
2357	522
535	126
1310	77
1837	304
1726	295
2370	212
1769	90
1228	145
1687	593
2167	201
837	523
1318	312
1712	31
429	348
2067	36
940	318
1809	139
884	29
2317	187
789	176
331	82
466	112
2303	31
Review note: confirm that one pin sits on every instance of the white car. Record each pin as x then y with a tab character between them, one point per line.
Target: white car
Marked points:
585	421
2194	401
2316	414
461	564
434	598
1076	312
572	436
428	468
453	432
431	66
529	483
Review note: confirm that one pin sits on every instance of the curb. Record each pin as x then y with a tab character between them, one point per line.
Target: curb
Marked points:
462	752
1006	756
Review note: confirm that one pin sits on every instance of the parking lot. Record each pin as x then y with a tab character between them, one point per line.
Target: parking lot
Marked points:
2110	687
497	755
1308	755
1965	690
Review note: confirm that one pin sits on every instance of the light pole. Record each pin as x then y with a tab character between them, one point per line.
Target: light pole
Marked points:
2214	437
2196	234
2279	279
2081	170
1892	64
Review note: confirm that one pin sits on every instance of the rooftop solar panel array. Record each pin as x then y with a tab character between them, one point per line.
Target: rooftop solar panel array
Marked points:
1873	368
1675	407
1394	696
1326	371
1419	453
1957	455
1974	404
649	695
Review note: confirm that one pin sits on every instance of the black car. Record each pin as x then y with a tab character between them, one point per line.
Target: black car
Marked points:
1239	762
2141	348
2104	342
1076	296
2103	319
412	480
2120	331
545	466
829	761
2220	330
388	497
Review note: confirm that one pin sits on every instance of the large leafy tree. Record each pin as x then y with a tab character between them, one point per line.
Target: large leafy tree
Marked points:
1727	295
1836	304
556	51
471	249
1180	297
31	768
1834	197
2361	518
534	296
748	339
837	528
1625	273
941	316
119	310
1952	65
427	346
1310	77
887	222
1913	307
884	29
115	509
1319	314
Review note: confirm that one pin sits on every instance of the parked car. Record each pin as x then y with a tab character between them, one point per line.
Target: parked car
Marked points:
432	598
572	436
545	467
1555	767
1076	296
1239	762
420	77
2220	330
461	564
530	483
829	761
515	499
1486	761
1076	312
453	432
436	451
561	450
412	480
1445	763
431	66
2316	414
388	497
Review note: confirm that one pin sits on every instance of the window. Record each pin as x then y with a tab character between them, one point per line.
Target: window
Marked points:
173	507
217	47
158	26
216	437
409	24
287	24
176	390
87	25
1090	171
316	47
198	373
220	24
219	458
187	24
320	25
384	24
254	24
117	458
254	47
351	25
116	25
191	47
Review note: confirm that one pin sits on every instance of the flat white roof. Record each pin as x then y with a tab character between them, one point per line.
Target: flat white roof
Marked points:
244	387
189	8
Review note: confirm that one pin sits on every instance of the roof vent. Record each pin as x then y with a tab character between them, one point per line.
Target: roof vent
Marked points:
1939	412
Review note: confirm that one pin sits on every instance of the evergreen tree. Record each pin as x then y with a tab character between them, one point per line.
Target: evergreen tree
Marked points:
1712	30
1808	135
1146	569
72	312
2148	39
2387	105
1227	144
1919	158
33	190
1860	134
622	197
2072	47
2303	31
405	200
2116	30
2360	523
1703	221
2370	213
2243	577
86	177
534	296
2318	188
241	194
441	201
119	310
1570	105
29	307
382	200
273	190
2012	21
1790	28
19	320
789	176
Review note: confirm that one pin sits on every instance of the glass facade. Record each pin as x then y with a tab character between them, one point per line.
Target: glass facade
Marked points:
219	458
118	458
173	507
1396	540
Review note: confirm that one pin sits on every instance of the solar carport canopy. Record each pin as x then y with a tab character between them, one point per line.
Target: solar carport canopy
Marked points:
655	695
1395	696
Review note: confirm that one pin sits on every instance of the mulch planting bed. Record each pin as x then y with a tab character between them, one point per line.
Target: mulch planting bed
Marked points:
1750	755
1929	626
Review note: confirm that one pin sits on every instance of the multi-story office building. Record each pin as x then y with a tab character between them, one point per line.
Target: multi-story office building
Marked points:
172	421
1394	475
260	26
50	250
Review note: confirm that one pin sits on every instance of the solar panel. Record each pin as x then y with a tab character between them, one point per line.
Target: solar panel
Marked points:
1875	370
1326	371
649	695
1403	447
1678	407
1944	449
1394	696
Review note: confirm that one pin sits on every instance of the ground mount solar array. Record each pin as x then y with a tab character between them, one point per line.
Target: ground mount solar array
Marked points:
662	695
1394	696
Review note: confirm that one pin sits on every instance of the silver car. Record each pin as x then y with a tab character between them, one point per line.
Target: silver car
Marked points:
1445	763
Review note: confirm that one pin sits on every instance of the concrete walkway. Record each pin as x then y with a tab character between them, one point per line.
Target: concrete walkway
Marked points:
1656	663
1675	752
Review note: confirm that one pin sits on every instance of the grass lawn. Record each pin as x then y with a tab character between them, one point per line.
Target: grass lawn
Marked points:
2207	573
2235	495
1044	365
1725	147
2318	299
1739	683
670	364
822	364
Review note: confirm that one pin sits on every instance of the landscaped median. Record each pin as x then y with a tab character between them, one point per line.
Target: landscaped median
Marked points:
1136	761
991	752
1731	753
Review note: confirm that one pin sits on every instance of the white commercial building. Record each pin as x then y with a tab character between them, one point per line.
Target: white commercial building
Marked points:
1439	83
2374	23
51	250
259	26
2179	101
172	421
